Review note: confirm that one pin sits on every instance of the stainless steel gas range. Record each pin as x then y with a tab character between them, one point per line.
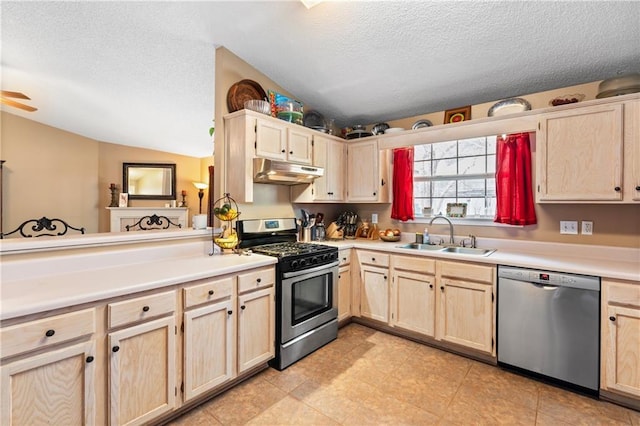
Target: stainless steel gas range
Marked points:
306	287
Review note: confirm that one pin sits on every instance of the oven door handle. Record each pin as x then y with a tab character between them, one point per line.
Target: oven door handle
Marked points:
287	275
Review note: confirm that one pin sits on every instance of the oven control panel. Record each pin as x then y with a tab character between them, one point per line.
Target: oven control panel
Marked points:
306	261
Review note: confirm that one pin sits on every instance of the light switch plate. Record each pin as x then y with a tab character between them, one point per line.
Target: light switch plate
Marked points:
587	227
569	227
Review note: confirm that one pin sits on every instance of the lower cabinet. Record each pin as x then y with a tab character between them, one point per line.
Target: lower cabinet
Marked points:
209	350
413	294
621	337
256	318
142	372
344	285
27	384
465	309
374	285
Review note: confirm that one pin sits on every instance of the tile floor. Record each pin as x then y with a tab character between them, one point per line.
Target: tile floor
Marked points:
367	377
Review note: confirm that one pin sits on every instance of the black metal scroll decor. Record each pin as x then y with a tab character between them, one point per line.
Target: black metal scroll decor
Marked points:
43	227
153	222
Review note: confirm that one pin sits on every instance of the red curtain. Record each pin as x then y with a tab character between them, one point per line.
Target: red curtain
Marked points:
402	207
514	186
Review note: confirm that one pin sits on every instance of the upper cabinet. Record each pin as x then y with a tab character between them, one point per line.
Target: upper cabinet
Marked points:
367	172
589	154
328	153
281	141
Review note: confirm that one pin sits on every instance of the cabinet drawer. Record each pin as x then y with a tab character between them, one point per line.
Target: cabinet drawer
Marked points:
141	308
208	291
47	331
344	256
467	271
622	293
260	278
373	258
415	264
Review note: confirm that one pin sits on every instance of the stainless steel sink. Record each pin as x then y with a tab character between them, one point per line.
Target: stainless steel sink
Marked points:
468	250
420	246
450	249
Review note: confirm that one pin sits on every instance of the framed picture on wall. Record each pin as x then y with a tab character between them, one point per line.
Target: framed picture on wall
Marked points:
123	201
457	115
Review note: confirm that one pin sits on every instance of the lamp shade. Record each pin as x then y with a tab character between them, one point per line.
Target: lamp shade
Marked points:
200	185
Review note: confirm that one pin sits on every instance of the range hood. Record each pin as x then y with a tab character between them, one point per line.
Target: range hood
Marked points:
284	173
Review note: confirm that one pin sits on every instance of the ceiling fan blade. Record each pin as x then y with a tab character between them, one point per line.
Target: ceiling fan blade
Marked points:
17	105
8	94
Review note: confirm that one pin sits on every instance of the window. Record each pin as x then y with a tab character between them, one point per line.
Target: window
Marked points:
461	171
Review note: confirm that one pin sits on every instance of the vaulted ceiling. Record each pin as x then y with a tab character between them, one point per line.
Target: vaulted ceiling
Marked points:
142	73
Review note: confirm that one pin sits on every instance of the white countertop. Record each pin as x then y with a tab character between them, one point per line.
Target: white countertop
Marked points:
600	261
45	293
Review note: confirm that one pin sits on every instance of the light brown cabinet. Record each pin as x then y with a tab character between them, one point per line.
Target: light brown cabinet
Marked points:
374	285
589	154
209	335
344	284
279	140
27	397
621	337
256	318
329	154
465	310
413	294
142	372
367	172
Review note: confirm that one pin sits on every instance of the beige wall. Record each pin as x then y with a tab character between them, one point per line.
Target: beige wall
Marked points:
54	173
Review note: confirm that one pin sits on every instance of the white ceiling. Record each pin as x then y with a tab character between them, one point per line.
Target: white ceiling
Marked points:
142	73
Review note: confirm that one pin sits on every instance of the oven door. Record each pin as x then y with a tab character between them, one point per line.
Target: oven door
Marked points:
309	299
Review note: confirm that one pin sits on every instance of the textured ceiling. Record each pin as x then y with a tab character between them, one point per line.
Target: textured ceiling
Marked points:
142	73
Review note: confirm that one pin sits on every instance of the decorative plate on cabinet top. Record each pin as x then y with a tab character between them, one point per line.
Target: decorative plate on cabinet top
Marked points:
421	123
509	106
242	91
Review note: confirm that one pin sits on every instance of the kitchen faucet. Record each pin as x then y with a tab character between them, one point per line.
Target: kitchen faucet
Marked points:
450	226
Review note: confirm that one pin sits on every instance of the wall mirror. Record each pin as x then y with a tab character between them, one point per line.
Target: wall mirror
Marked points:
149	181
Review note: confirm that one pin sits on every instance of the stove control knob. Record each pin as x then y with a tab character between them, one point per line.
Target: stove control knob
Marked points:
325	256
303	262
294	264
314	259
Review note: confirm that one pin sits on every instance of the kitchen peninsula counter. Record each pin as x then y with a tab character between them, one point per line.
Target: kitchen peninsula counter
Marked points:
42	282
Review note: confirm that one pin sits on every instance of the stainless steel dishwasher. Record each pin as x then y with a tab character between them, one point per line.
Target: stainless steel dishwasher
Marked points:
549	324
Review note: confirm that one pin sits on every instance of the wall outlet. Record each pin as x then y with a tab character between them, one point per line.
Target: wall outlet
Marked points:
374	217
569	227
587	227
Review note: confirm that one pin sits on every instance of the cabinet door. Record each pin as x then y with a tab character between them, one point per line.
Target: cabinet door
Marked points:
623	349
580	154
344	293
271	140
465	314
632	151
362	171
142	372
209	347
299	145
374	293
413	302
256	328
28	396
329	154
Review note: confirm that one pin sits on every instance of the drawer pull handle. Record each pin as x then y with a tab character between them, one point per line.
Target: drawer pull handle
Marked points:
89	358
145	309
210	292
259	280
612	318
50	333
115	349
242	307
229	312
373	259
